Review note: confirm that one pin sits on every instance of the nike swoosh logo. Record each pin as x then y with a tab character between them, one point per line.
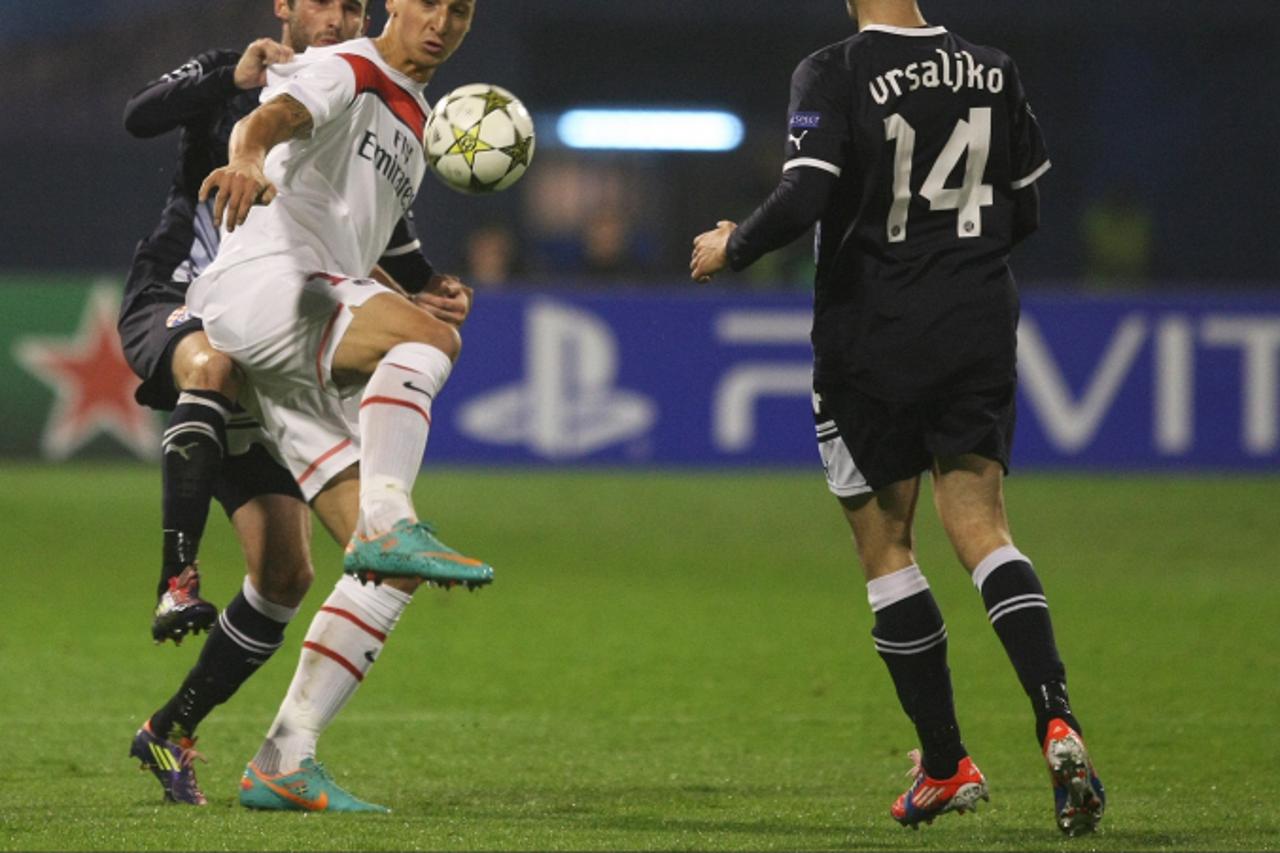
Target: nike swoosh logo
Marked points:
409	384
453	558
319	804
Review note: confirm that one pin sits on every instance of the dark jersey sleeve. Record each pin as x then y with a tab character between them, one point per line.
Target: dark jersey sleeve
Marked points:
184	94
403	259
788	212
818	119
817	145
1030	157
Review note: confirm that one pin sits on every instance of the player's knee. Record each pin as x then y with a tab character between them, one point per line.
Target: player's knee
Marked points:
286	581
300	578
428	330
455	343
973	548
197	366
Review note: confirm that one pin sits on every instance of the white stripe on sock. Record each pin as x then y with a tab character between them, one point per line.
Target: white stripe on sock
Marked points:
243	640
994	560
1018	602
269	609
895	586
188	399
912	647
174	433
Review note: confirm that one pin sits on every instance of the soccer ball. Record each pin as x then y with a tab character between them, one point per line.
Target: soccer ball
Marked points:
479	139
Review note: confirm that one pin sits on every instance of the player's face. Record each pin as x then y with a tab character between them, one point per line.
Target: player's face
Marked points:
427	32
315	23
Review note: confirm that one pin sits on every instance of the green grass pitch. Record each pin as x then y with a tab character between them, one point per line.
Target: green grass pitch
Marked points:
667	661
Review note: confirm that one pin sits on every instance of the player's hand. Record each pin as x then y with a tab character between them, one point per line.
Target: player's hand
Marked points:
251	70
710	254
446	298
238	186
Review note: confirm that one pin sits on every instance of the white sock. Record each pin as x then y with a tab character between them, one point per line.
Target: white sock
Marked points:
395	417
345	638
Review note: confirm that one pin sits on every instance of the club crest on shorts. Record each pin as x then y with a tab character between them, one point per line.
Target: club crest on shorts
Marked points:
178	317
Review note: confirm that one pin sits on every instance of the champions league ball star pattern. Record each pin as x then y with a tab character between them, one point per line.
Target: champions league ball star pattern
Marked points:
479	139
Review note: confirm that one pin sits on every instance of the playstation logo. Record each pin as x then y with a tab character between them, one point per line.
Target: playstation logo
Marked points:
567	406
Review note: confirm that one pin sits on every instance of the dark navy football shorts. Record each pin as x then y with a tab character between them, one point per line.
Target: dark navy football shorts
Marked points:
153	325
245	476
149	331
867	443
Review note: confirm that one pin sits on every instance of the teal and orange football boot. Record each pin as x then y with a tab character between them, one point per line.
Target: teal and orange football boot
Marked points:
411	549
310	788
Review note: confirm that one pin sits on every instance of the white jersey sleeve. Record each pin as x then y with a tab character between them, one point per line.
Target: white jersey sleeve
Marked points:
324	84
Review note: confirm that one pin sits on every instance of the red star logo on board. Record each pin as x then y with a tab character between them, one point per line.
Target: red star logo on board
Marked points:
92	384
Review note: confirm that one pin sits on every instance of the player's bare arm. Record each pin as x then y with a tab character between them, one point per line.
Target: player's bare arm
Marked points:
710	251
251	70
241	183
444	297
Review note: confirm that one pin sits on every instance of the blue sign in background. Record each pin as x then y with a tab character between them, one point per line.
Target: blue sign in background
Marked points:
1176	382
710	378
622	378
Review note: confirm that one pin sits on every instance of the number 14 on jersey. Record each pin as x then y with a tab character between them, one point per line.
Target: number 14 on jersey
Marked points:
971	137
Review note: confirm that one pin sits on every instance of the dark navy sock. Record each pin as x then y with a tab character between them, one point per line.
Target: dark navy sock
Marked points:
194	444
912	641
239	643
1019	613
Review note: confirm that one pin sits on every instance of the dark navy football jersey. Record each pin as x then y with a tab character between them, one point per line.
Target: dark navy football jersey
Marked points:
930	139
201	99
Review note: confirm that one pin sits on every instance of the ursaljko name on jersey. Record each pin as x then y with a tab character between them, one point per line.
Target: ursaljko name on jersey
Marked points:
949	71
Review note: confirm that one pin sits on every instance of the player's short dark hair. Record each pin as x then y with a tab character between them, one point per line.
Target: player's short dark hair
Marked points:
365	3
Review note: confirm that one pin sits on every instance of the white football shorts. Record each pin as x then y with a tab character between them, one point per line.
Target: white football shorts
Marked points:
281	322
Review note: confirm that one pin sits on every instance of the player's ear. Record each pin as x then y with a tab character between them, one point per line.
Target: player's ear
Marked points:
283	9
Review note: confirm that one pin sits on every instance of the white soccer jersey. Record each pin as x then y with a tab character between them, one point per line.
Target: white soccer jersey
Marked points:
342	191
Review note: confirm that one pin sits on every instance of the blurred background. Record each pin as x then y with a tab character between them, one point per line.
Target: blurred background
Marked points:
1151	324
1163	121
